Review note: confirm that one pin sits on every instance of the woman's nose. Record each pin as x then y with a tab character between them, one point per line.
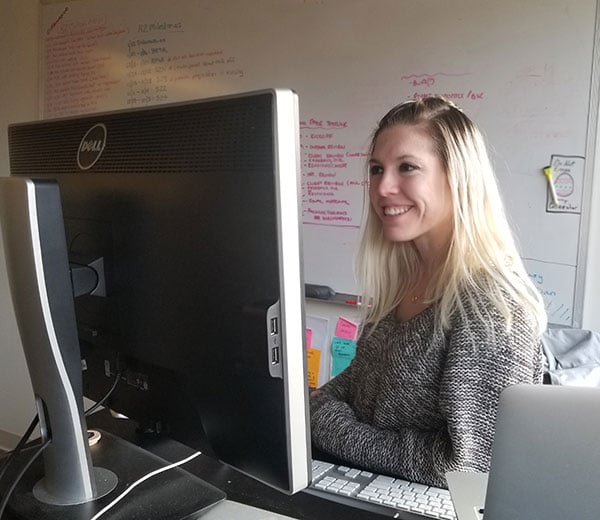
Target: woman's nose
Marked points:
387	183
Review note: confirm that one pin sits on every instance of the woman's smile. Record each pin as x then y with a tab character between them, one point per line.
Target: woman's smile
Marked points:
391	211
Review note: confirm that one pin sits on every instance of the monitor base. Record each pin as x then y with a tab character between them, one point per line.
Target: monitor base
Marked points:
172	495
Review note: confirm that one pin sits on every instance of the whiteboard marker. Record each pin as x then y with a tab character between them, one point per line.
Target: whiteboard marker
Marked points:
548	174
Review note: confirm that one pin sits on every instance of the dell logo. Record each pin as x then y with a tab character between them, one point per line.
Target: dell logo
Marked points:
91	146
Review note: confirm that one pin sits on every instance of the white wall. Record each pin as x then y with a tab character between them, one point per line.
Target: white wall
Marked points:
18	102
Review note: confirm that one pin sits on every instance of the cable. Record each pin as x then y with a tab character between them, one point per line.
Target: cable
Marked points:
17	449
142	479
25	437
97	405
4	502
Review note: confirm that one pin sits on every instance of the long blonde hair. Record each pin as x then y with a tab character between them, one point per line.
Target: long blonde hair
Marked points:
482	256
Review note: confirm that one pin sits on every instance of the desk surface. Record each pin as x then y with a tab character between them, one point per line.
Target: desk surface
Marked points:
247	499
266	503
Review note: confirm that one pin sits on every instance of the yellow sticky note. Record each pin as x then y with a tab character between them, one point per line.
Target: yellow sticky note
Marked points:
313	357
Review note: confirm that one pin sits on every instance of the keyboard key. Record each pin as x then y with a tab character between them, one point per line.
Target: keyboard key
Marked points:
383	480
419	488
437	491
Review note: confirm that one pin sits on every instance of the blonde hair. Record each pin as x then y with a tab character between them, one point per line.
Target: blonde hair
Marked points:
482	257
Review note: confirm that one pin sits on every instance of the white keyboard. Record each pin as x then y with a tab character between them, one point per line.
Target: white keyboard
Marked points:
363	488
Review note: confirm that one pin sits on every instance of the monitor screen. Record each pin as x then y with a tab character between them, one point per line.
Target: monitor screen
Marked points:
188	216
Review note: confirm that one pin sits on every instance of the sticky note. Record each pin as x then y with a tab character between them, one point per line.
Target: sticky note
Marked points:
309	338
345	329
342	353
313	357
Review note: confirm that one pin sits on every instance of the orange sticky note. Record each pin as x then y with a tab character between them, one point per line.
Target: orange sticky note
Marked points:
313	357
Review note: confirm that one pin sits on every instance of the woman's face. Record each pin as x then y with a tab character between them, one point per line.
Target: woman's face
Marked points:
409	189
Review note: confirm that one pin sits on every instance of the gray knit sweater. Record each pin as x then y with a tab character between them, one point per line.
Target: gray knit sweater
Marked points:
416	402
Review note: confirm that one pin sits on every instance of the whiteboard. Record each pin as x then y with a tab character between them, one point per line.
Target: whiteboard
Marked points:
524	70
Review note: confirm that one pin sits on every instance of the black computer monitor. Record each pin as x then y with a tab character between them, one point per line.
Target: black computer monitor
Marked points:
183	238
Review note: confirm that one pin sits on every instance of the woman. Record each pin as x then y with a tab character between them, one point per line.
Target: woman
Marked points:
451	315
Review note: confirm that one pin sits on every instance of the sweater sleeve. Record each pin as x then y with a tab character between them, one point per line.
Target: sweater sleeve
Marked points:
481	360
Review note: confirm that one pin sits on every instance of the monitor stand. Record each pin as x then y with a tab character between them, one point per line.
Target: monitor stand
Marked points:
172	495
73	473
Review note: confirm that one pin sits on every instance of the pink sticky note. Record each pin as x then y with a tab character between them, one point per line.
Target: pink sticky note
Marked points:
308	338
345	329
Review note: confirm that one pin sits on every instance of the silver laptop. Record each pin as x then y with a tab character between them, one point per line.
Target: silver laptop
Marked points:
545	459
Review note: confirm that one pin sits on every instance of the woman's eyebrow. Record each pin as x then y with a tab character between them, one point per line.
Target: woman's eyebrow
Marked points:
402	157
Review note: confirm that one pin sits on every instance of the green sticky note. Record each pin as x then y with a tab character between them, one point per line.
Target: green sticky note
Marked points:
342	352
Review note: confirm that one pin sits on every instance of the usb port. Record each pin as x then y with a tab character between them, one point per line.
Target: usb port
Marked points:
275	355
274	326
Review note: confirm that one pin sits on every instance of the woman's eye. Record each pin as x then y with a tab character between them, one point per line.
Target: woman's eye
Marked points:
375	169
407	167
